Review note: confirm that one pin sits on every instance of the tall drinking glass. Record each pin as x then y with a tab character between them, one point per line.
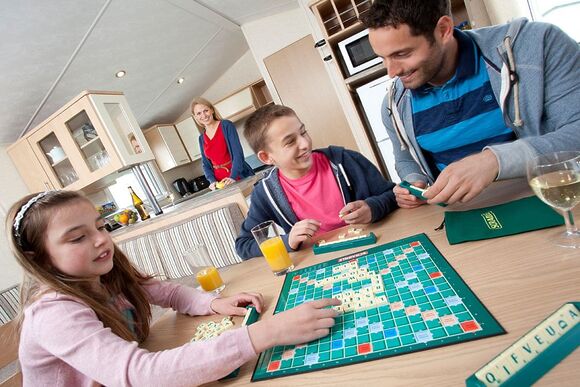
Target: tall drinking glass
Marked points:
272	247
206	275
555	179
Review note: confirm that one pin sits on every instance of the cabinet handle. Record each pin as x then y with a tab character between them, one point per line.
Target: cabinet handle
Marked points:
46	186
327	58
320	43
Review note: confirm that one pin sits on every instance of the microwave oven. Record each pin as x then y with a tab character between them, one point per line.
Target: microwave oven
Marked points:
357	53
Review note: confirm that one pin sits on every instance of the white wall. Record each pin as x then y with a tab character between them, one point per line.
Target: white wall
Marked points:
12	188
502	11
271	34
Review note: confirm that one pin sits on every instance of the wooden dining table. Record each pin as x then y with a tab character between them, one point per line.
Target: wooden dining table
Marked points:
521	279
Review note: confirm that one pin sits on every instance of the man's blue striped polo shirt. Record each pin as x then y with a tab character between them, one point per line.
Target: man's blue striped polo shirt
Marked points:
462	116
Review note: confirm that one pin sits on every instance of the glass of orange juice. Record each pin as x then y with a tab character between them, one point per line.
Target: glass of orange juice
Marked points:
210	280
272	247
200	262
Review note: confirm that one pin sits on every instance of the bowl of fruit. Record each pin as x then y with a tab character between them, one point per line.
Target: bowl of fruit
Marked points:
126	217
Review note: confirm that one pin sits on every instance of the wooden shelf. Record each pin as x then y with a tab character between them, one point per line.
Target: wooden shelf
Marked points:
337	16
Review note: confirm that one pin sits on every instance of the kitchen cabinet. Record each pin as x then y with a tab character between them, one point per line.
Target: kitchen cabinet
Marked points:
189	134
29	168
92	136
166	146
244	102
303	83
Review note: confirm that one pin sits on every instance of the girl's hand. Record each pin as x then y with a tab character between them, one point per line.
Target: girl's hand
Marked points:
235	305
307	322
212	186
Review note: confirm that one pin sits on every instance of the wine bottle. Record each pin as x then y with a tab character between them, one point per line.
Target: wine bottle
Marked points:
138	204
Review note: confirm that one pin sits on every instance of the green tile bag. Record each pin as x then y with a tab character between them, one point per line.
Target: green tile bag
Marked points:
510	218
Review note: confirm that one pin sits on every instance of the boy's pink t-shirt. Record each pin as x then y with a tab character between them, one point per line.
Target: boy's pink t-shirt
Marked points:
315	195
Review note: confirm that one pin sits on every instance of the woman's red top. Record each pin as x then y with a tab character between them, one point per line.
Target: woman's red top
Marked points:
216	151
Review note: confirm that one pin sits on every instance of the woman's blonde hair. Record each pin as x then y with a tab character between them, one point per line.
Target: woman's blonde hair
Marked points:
27	243
203	101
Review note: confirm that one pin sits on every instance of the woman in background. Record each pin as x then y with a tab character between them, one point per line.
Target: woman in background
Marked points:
221	151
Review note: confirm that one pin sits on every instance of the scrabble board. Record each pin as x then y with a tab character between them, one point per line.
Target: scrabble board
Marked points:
398	298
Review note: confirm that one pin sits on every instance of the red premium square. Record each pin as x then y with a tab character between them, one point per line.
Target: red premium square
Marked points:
364	348
436	274
274	366
469	326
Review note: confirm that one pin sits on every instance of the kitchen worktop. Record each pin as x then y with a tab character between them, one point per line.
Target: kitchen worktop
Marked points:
198	203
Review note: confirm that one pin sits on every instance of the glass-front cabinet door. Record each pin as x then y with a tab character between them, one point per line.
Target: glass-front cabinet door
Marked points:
87	142
49	149
122	127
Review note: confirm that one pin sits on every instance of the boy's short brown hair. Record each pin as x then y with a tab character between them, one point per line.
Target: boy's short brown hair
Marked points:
257	125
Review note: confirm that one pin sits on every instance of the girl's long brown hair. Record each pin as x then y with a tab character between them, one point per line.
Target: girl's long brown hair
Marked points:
30	252
202	101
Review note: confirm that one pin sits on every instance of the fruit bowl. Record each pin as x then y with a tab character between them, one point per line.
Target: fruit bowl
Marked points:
126	217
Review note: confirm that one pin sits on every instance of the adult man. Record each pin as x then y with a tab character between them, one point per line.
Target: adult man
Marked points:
468	107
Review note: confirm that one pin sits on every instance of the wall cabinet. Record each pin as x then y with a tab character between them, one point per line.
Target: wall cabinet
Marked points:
29	167
189	134
166	146
92	136
244	102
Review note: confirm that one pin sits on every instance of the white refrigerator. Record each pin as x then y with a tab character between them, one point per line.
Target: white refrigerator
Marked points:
371	96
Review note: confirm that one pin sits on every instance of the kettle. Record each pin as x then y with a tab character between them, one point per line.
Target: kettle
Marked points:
56	154
181	186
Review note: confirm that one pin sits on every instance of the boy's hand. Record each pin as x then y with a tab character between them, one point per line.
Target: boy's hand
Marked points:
356	212
302	231
212	186
307	322
235	305
463	180
404	197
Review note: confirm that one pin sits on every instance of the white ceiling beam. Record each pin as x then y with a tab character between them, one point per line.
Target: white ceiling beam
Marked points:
206	13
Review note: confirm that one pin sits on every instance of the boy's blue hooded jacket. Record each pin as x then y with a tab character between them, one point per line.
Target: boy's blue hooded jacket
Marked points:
361	180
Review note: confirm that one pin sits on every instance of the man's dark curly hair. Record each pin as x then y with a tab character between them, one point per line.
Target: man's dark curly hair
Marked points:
420	15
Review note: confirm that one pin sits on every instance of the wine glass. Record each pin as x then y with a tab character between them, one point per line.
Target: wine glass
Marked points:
555	179
171	197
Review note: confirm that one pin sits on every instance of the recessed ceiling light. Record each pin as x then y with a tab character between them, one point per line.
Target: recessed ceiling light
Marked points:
120	73
180	80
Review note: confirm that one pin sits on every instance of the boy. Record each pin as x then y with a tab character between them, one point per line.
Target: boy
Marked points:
308	192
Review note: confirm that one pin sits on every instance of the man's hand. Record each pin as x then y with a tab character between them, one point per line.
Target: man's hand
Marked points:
463	180
356	212
404	197
302	231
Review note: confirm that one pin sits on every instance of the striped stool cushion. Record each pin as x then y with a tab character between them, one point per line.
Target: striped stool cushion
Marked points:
143	254
9	304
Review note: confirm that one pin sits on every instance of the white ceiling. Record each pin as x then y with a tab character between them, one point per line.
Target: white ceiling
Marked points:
52	50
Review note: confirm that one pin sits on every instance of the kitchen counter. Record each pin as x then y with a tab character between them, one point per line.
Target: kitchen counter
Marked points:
197	204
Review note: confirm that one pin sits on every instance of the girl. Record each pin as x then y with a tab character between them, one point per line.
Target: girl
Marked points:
86	308
221	151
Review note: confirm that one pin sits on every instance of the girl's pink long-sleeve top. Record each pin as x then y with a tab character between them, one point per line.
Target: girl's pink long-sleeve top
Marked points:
63	343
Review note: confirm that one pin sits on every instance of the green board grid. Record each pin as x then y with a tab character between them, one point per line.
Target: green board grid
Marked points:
429	306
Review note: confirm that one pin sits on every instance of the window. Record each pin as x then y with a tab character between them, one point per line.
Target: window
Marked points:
563	13
126	179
